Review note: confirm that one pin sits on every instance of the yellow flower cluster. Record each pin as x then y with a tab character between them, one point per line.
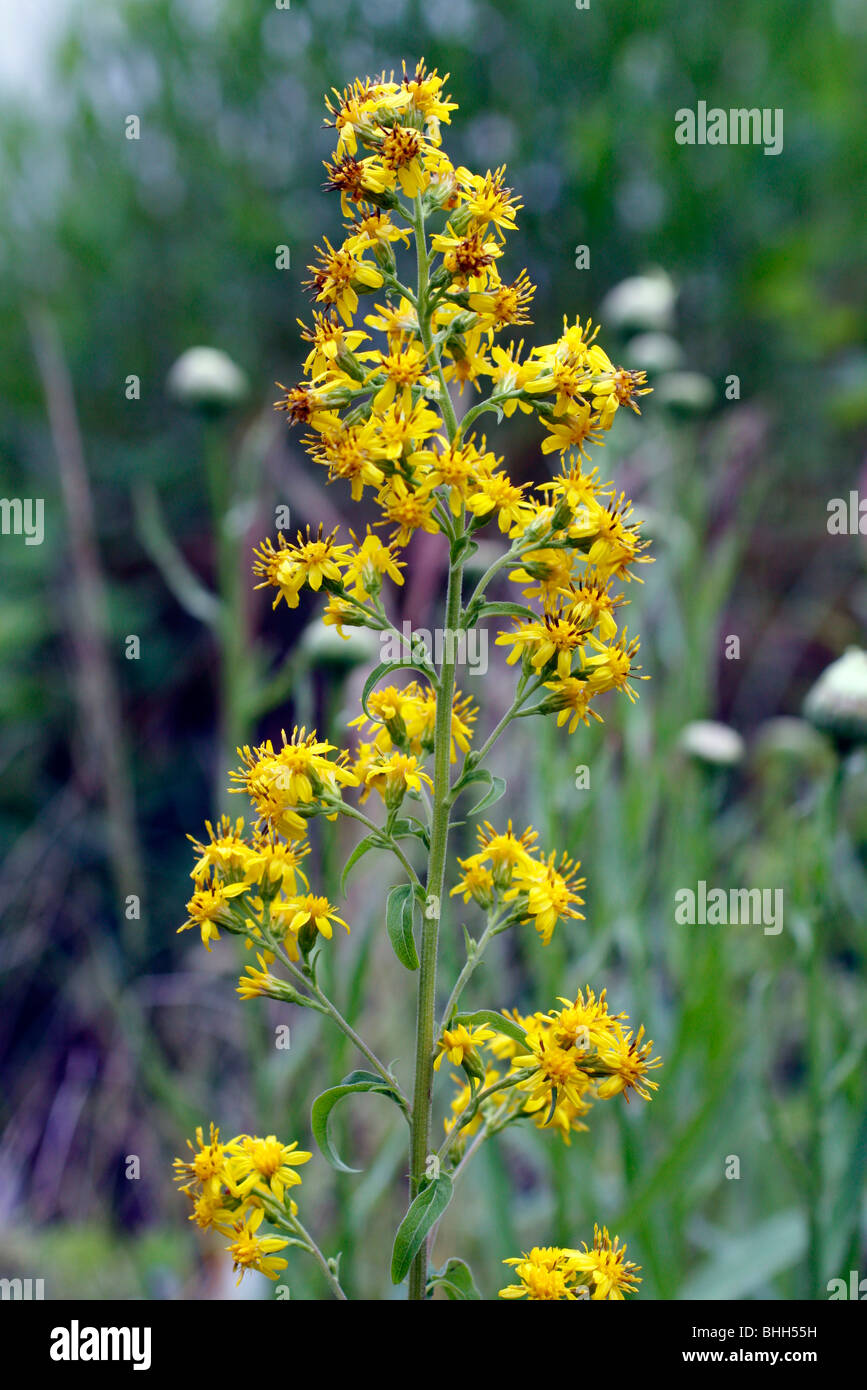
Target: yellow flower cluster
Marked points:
233	1186
506	871
249	885
549	1273
403	719
571	1057
369	408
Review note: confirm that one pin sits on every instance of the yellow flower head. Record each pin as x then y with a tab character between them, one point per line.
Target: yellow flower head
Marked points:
339	276
460	1043
628	1059
272	863
394	776
367	566
210	908
547	644
287	568
299	773
612	665
506	851
477	881
309	908
552	892
208	1162
545	1274
604	1268
250	1251
486	200
226	852
266	1164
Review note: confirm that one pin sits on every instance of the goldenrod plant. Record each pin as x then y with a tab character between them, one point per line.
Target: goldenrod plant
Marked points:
376	405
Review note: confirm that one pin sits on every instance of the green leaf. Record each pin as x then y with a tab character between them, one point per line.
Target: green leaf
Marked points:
491	1019
496	787
369	842
320	1115
398	922
386	667
411	826
508	610
427	1209
456	1280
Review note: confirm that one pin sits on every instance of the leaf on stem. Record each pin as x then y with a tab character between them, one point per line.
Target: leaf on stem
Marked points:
398	922
414	663
496	787
320	1115
491	1019
424	1212
456	1281
369	842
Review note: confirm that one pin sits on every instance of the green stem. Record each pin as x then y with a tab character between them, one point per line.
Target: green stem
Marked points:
817	1072
515	1079
421	1106
513	712
330	1277
494	926
284	1220
392	844
421	1113
491	403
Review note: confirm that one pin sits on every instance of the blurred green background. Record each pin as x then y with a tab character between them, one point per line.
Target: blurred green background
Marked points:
116	255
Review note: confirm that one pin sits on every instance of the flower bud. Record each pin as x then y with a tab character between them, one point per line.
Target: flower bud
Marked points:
473	1065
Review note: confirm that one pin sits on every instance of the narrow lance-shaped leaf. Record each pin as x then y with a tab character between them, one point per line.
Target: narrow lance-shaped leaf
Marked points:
424	1212
398	922
491	1019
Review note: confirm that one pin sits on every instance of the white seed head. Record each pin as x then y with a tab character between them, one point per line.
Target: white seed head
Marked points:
654	352
711	742
206	378
643	303
687	393
837	702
